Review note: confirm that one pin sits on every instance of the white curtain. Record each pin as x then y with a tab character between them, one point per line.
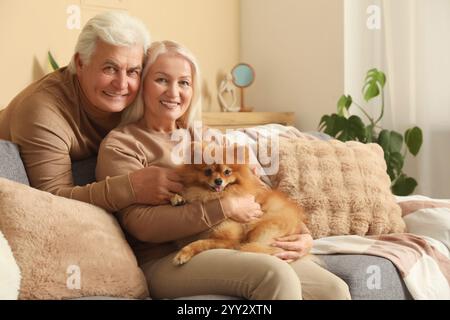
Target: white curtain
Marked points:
412	46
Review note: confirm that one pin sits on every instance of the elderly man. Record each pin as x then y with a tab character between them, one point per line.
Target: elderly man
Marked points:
64	116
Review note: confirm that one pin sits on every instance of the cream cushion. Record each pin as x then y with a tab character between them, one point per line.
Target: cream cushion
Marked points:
9	272
343	187
66	248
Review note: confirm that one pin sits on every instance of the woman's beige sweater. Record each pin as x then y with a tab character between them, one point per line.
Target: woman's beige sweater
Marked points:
153	230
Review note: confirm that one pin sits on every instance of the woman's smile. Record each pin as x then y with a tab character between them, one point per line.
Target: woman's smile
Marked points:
169	104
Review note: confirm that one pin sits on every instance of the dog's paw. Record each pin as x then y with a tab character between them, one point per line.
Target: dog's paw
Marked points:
182	257
177	200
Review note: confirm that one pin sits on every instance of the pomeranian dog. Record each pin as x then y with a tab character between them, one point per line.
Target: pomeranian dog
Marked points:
203	182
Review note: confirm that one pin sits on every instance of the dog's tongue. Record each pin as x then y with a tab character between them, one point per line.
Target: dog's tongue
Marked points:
218	188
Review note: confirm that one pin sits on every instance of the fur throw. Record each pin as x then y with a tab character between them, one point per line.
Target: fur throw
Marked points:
343	187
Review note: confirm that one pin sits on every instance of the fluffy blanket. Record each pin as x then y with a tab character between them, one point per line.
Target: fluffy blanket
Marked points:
422	256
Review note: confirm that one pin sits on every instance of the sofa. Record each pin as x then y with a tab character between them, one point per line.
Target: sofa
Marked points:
354	269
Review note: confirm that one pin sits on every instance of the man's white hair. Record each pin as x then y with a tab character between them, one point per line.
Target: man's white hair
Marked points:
113	27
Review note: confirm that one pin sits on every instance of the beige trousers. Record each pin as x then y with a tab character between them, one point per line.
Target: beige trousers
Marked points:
247	275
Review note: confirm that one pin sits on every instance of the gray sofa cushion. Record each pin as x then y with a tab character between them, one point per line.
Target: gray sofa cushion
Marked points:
11	166
368	277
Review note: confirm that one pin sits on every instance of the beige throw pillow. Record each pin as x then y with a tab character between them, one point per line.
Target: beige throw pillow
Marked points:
343	187
66	248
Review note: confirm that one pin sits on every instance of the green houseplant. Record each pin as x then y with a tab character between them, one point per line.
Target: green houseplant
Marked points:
344	126
52	61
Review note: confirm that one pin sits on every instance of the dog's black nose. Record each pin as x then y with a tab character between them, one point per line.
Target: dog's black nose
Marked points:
218	181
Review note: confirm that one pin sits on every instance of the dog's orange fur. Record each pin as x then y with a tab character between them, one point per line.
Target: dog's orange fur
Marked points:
281	216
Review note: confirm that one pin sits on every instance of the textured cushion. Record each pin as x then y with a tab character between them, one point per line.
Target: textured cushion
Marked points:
11	166
343	187
66	248
368	277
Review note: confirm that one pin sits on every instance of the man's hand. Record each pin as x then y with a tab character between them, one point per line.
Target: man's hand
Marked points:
295	246
155	185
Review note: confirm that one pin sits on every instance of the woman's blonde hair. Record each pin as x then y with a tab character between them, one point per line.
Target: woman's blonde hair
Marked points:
136	110
113	27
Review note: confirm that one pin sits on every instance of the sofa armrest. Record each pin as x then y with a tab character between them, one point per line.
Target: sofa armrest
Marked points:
11	165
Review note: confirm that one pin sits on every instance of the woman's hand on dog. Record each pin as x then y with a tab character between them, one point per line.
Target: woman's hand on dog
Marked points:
241	209
295	246
155	185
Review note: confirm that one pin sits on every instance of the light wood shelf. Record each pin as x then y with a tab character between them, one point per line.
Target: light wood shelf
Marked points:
231	120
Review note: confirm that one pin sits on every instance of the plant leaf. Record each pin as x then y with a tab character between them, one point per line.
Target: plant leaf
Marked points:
373	83
396	141
353	129
383	140
53	62
396	162
414	140
404	186
370	74
326	123
331	125
343	104
371	91
342	128
381	78
390	170
370	133
391	141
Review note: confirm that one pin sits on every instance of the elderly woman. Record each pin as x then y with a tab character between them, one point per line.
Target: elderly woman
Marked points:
169	100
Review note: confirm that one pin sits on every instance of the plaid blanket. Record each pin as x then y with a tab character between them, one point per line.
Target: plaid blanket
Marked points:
422	255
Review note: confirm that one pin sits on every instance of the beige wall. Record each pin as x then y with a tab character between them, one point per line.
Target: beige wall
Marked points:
296	46
297	50
29	28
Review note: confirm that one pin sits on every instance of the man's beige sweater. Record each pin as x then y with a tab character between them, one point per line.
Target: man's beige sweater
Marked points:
54	124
